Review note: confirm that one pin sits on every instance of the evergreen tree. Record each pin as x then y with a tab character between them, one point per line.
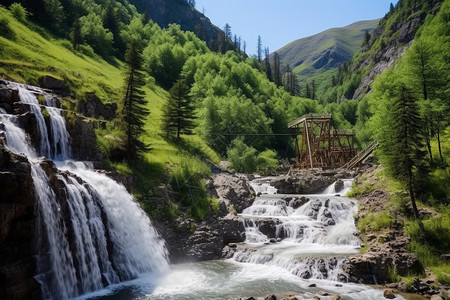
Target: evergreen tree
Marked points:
111	22
259	48
276	72
227	30
134	109
400	137
179	115
75	34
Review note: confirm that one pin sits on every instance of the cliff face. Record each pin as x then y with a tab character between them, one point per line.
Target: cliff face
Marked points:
17	200
390	40
165	12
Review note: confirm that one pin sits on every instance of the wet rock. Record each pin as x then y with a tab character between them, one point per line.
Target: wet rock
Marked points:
297	202
314	209
339	185
327	218
389	294
16	227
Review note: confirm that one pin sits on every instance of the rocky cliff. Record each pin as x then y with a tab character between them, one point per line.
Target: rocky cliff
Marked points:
17	201
165	12
389	41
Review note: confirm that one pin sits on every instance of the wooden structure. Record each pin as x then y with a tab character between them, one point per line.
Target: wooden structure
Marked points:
321	146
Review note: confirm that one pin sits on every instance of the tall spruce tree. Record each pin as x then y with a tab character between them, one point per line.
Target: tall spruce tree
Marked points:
179	112
134	109
402	141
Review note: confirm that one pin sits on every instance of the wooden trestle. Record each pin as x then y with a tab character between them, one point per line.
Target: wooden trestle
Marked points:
322	146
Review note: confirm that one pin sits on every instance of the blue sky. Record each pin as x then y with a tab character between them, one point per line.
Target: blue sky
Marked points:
280	22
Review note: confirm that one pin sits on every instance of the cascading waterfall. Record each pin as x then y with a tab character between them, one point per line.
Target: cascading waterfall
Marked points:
90	233
308	237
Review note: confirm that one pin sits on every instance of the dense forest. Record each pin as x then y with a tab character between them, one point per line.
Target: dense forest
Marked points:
189	106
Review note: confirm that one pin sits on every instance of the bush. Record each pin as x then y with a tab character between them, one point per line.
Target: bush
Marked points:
5	29
242	157
111	142
246	159
19	12
187	180
267	163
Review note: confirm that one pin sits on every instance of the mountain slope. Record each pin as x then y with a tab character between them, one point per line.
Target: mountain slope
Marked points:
165	12
388	43
327	49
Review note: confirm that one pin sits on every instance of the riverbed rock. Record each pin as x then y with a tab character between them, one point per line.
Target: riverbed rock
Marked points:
389	294
304	181
234	191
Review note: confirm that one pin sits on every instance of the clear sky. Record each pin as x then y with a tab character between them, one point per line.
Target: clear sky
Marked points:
280	22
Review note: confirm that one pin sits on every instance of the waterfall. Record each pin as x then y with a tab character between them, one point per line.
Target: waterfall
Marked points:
90	232
310	237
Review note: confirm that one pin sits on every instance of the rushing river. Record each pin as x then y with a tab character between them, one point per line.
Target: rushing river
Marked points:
97	235
313	240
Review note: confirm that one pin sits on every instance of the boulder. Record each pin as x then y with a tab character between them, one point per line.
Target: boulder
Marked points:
234	190
94	108
52	83
389	294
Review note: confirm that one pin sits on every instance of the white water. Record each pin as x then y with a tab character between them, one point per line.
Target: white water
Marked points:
90	233
309	253
112	240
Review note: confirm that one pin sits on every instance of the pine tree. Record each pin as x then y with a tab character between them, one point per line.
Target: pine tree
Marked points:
111	22
179	115
134	109
75	34
227	30
259	49
403	152
276	72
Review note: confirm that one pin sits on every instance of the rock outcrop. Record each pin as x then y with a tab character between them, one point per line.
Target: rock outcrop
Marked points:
308	181
17	201
187	240
399	37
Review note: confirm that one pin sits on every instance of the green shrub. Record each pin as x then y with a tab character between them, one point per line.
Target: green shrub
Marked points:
19	12
87	50
187	180
242	157
246	159
66	44
267	163
5	29
111	142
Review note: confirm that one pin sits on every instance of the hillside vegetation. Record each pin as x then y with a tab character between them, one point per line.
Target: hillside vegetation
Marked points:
224	88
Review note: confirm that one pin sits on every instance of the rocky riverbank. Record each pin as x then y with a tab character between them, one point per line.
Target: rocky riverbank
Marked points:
386	251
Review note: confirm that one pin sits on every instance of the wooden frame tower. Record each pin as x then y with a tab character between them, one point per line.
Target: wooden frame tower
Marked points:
321	146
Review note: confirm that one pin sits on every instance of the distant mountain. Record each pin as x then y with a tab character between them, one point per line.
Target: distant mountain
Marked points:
326	50
165	12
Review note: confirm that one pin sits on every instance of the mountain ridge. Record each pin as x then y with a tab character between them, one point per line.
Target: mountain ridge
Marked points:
327	49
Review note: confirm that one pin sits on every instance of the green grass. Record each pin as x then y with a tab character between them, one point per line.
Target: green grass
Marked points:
30	52
29	56
375	222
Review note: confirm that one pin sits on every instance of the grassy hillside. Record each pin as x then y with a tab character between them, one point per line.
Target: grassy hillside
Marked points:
327	49
318	57
30	52
28	55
